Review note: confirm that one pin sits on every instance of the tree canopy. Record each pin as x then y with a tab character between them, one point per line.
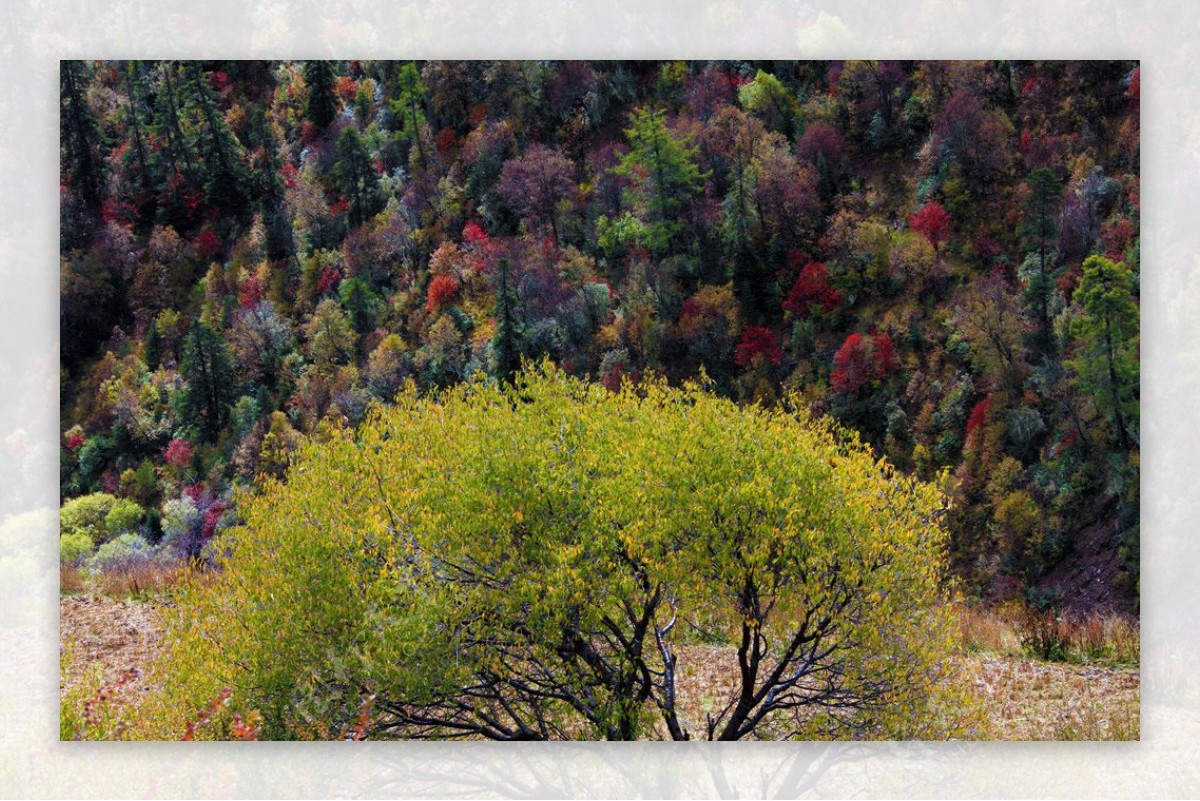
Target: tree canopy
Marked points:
543	560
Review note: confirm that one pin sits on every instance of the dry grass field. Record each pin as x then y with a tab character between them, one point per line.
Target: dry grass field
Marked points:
1091	693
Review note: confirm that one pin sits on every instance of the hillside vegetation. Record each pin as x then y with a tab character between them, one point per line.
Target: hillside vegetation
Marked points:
259	258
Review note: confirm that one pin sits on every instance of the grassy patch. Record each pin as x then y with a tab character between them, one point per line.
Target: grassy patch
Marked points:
1031	700
139	582
71	580
1049	636
1095	639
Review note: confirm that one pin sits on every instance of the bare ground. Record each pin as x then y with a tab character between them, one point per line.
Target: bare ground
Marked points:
112	635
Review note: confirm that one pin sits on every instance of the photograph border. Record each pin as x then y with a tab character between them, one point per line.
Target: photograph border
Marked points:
34	763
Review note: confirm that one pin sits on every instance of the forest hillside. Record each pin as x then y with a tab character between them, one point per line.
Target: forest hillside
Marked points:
941	256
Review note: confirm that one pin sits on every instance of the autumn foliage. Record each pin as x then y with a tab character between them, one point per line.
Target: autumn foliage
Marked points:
932	221
442	289
943	256
861	360
757	343
178	453
812	289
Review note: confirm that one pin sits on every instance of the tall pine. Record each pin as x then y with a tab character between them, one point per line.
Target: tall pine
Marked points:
506	342
224	165
208	371
322	107
662	168
1106	336
1038	232
80	136
355	177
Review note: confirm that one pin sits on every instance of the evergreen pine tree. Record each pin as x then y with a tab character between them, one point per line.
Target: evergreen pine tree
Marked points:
1038	231
80	136
506	343
665	176
208	371
355	177
223	157
153	350
321	108
1106	364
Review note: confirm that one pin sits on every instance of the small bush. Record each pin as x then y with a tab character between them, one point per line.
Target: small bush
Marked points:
141	484
127	550
1125	638
1044	635
74	548
182	527
86	515
70	580
1111	639
139	579
124	517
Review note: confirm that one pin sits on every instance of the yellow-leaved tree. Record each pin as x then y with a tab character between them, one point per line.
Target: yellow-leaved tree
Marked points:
549	560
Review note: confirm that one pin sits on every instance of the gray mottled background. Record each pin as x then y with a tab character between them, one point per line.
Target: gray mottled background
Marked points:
34	35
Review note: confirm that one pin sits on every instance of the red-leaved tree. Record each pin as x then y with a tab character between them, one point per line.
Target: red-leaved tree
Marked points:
978	416
178	453
442	290
822	144
861	360
932	221
534	184
757	342
812	288
251	292
207	245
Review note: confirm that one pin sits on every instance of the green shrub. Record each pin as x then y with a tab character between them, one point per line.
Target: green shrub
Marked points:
124	551
1044	635
86	515
74	548
124	517
182	524
141	484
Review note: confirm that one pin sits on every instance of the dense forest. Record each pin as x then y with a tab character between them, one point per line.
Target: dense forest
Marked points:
940	256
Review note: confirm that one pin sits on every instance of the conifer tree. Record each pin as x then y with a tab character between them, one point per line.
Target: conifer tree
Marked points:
80	136
208	371
1106	364
661	165
356	179
506	343
321	108
1038	232
133	88
153	351
168	124
409	107
223	158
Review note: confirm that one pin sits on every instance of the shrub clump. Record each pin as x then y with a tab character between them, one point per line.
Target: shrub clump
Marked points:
124	552
73	548
124	517
87	515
